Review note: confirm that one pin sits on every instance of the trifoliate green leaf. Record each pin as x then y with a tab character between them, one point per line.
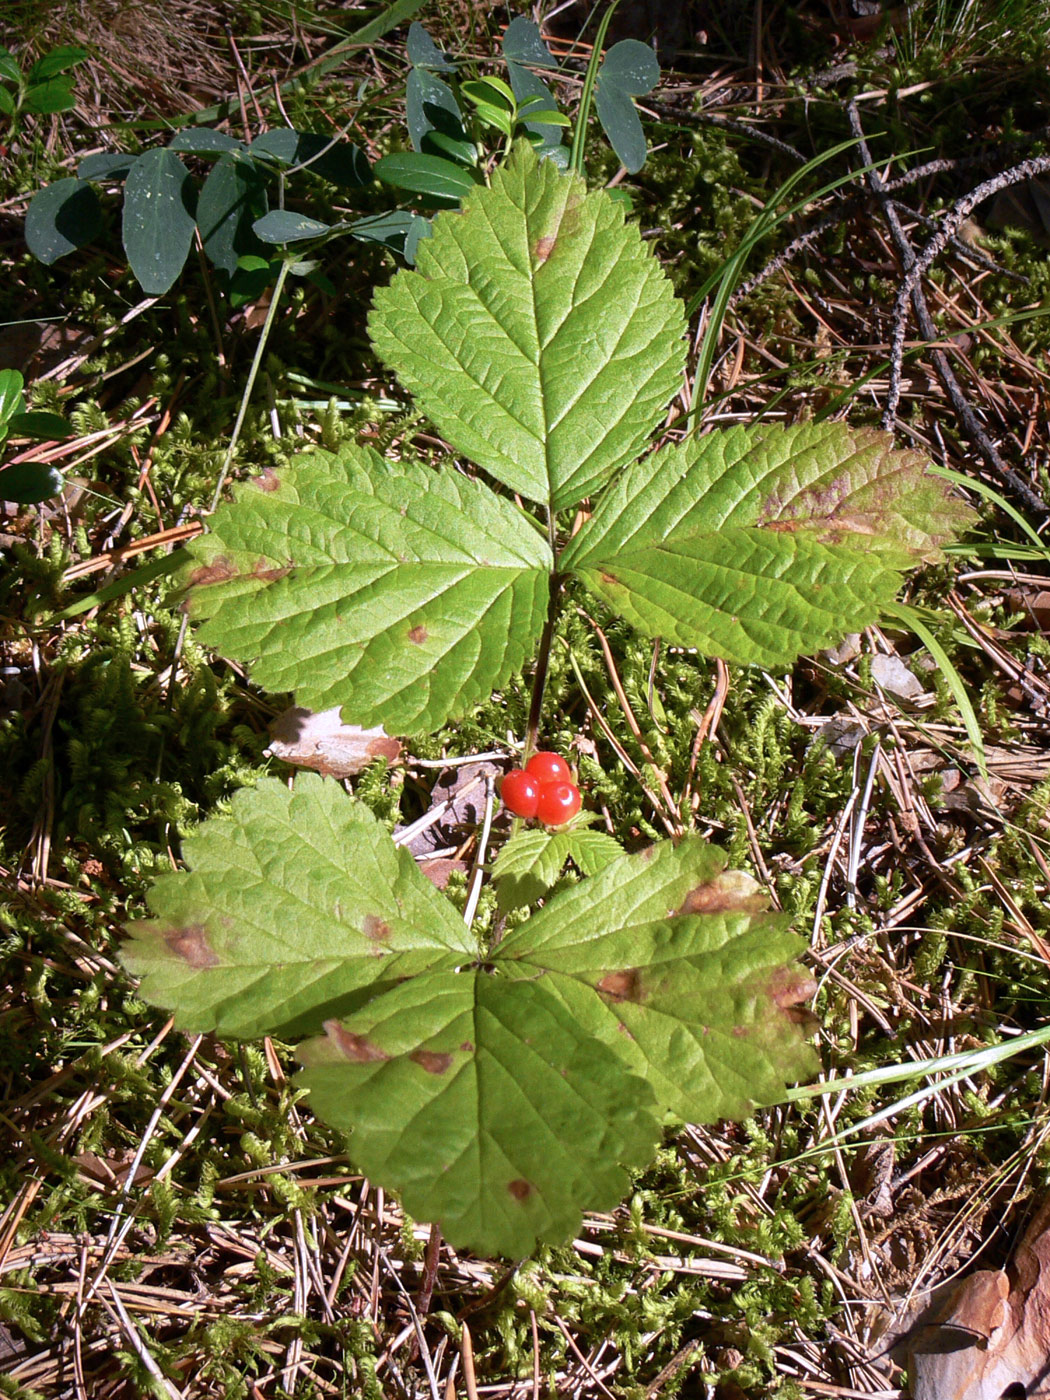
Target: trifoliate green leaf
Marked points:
294	908
484	1104
531	862
539	332
402	594
759	544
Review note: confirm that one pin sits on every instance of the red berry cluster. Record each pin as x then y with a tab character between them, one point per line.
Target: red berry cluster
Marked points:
543	789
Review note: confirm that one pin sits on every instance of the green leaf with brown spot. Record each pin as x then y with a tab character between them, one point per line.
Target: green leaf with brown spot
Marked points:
759	544
402	594
295	907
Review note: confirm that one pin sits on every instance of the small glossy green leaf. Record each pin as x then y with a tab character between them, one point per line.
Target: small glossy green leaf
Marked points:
523	43
331	158
539	333
39	424
496	117
426	174
57	61
294	907
62	218
12	399
232	198
758	544
402	594
630	70
29	483
483	1104
424	53
158	219
493	91
53	95
203	141
282	226
430	105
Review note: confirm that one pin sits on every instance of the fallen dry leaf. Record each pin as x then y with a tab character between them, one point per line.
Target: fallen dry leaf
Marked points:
988	1336
321	741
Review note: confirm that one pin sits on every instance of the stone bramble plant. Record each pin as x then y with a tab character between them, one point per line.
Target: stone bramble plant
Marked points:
504	1085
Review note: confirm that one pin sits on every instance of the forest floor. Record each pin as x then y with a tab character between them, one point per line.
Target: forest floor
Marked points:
173	1221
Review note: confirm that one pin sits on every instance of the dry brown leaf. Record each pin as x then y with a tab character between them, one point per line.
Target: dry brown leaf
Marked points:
988	1337
323	742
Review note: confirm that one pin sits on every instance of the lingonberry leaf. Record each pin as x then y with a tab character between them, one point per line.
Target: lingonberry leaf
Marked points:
538	332
402	594
295	907
757	544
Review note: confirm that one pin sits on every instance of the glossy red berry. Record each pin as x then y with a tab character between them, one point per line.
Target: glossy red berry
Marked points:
558	803
548	768
520	792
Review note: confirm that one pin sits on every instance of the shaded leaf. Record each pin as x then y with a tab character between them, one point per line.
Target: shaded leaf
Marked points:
105	166
398	229
338	161
9	69
57	61
757	544
402	594
54	95
158	219
629	70
232	198
62	218
539	333
294	907
430	105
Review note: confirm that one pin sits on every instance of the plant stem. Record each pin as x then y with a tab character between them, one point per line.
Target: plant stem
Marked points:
249	385
539	677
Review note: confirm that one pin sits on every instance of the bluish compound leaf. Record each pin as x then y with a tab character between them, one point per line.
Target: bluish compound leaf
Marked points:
431	106
232	198
158	219
523	43
203	141
539	333
629	70
333	159
424	53
404	595
61	218
105	166
525	84
283	226
758	544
